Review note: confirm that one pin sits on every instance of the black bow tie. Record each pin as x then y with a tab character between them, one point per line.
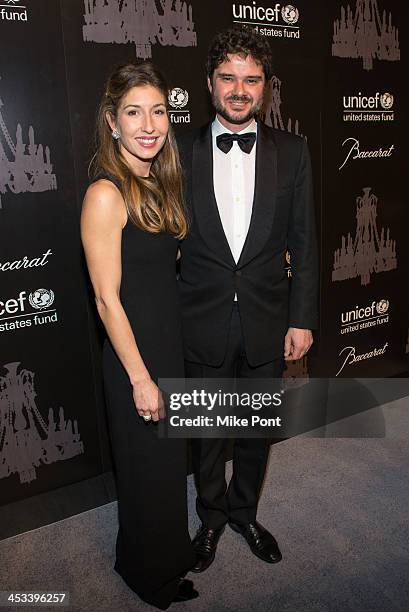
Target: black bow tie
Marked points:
245	141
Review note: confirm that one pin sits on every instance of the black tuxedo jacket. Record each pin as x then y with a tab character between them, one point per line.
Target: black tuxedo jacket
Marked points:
282	218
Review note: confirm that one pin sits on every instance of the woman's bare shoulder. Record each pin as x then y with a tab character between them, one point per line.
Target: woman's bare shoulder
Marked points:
104	200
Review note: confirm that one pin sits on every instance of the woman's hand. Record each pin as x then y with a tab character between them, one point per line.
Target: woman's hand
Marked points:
148	400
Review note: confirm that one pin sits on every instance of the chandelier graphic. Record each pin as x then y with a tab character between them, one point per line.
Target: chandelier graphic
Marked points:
23	167
142	22
368	252
273	116
365	35
26	440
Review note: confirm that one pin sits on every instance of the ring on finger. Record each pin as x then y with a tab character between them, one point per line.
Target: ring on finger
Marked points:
147	416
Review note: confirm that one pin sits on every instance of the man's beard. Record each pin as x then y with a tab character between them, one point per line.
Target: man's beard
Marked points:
223	112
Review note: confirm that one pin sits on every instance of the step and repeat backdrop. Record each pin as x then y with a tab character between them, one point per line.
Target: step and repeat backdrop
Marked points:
340	81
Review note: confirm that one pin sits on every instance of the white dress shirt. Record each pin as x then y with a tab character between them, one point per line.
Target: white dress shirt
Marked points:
233	180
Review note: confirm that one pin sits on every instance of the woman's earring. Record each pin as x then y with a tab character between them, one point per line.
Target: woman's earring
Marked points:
116	134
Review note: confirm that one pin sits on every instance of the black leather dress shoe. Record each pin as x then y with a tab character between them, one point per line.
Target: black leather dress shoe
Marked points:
205	544
261	542
185	591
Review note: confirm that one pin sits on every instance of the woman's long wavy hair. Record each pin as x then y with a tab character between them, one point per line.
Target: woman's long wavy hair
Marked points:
154	203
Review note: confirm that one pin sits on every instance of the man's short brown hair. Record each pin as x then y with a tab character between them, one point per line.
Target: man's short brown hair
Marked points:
239	40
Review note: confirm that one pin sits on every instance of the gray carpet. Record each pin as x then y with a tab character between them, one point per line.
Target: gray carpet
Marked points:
338	508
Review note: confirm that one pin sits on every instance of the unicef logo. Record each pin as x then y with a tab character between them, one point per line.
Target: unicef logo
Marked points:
41	298
178	98
382	306
386	100
290	14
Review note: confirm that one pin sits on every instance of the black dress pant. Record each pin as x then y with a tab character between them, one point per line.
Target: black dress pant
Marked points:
216	503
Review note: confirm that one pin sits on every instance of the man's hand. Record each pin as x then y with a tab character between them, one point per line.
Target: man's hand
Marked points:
297	343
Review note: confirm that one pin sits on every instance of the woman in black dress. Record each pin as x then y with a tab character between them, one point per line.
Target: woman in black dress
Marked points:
131	221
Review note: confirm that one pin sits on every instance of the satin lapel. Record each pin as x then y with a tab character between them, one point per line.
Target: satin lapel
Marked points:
265	189
206	211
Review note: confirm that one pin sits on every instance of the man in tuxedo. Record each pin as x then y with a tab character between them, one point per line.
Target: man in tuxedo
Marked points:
249	191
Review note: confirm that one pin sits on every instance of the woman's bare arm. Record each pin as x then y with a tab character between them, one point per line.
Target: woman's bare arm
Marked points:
102	220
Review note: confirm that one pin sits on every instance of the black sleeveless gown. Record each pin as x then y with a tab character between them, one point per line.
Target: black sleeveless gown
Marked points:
153	544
